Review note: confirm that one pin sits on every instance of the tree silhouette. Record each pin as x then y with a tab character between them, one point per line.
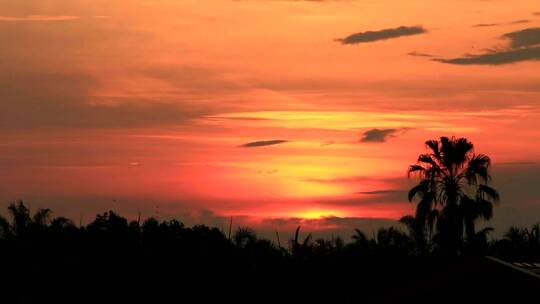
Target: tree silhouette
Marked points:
416	228
300	249
453	190
479	207
360	237
47	253
244	236
22	222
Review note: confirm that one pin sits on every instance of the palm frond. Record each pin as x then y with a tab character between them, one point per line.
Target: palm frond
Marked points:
433	145
427	159
415	169
485	191
41	217
296	235
477	167
359	236
20	216
485	208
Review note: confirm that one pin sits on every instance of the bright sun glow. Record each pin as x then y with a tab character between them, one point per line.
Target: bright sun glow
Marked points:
317	214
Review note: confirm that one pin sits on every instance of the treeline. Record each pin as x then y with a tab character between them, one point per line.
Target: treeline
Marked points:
50	259
109	234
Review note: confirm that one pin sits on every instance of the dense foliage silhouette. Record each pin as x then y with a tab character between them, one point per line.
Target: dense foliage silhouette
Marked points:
49	258
453	193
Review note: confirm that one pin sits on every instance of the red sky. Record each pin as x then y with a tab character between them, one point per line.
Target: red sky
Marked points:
274	112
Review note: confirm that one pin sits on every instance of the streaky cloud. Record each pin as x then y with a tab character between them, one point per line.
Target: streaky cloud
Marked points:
384	34
502	23
419	54
517	163
263	143
524	45
35	18
496	58
381	192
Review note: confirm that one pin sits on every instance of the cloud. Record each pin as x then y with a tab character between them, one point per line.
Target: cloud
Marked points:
393	190
324	227
495	58
419	54
501	24
301	0
347	179
50	87
326	221
378	135
38	18
517	163
64	99
263	143
379	192
327	143
523	46
371	36
524	38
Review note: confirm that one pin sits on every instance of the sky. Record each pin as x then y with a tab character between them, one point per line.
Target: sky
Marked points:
277	113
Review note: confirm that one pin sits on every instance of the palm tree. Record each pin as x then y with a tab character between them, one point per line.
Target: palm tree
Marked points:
300	249
22	221
479	207
448	173
244	236
417	230
359	237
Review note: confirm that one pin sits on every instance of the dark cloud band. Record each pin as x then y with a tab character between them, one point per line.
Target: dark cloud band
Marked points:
263	143
496	58
371	36
524	45
524	38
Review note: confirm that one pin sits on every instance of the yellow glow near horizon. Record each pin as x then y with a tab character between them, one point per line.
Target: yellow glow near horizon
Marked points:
319	213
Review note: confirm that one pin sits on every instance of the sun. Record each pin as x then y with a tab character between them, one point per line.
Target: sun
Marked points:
319	213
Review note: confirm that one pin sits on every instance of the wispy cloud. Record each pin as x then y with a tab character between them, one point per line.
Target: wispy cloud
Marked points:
501	23
523	45
419	54
384	34
517	163
496	58
263	143
381	192
38	18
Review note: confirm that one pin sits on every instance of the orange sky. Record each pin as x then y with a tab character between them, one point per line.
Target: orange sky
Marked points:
151	105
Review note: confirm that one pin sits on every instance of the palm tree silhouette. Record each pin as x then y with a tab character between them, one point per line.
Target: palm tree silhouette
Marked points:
479	207
22	222
416	228
300	249
448	174
244	236
360	237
